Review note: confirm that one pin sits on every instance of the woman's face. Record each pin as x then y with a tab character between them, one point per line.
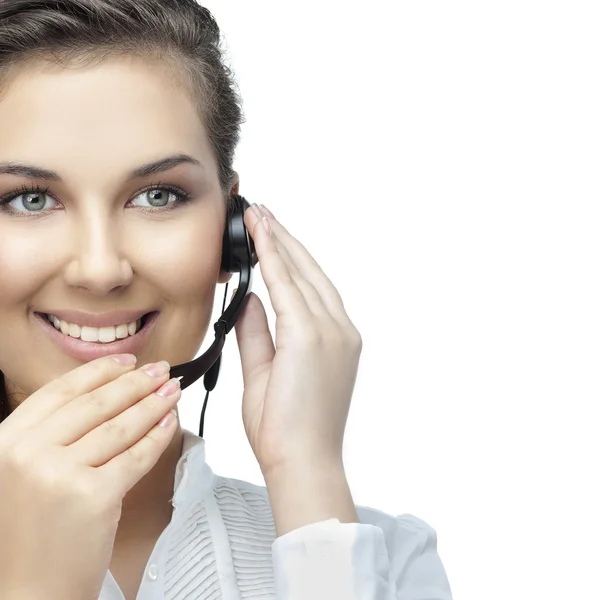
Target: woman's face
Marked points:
98	241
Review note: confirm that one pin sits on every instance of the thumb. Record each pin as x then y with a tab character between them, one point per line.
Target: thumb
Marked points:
254	339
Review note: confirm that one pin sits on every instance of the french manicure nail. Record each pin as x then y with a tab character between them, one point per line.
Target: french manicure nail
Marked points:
169	388
267	225
125	359
257	210
267	212
157	369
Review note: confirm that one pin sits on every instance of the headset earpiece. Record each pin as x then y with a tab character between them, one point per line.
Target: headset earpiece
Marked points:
237	243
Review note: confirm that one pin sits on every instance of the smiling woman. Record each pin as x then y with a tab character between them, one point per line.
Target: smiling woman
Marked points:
58	92
108	277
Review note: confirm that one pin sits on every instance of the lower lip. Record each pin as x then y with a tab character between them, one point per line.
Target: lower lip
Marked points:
88	351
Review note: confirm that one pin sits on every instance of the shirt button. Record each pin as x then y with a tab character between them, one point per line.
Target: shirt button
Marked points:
153	572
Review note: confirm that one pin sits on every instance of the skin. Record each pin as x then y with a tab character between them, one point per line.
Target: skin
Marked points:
93	126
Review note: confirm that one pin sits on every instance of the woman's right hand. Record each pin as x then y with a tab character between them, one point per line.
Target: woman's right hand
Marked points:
68	455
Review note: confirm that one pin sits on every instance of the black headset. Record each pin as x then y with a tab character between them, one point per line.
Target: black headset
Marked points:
238	256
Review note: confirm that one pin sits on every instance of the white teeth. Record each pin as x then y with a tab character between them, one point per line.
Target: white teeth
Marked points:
96	334
121	331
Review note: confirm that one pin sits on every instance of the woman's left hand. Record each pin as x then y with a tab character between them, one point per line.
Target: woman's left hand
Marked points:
297	396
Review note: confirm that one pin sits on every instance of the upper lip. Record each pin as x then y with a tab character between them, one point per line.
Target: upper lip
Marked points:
110	319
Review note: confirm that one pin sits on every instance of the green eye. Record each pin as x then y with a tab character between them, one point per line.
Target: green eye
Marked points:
34	200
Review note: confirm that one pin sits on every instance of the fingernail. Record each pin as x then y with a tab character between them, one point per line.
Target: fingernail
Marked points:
257	210
267	225
157	369
169	388
267	212
167	420
125	359
233	293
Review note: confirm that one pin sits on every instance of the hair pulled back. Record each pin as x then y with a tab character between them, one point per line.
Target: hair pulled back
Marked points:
83	33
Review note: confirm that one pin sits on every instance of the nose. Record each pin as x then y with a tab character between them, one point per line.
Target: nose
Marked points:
97	262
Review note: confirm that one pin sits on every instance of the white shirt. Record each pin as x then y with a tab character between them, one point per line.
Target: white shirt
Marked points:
221	544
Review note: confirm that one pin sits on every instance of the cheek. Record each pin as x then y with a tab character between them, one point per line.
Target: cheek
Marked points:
25	260
24	265
188	262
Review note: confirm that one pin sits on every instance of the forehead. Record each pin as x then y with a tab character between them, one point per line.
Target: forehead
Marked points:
120	108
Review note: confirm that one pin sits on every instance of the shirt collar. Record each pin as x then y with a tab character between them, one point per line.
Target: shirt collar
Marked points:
192	476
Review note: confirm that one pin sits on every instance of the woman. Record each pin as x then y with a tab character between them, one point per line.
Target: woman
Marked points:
104	495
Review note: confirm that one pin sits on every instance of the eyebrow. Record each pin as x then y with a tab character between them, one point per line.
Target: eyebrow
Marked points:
159	166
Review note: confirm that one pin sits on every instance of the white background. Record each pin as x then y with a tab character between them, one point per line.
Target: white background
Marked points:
434	157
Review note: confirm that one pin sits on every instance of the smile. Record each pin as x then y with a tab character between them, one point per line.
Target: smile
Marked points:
102	335
91	343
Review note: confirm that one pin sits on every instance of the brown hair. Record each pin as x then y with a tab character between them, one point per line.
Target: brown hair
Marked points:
182	33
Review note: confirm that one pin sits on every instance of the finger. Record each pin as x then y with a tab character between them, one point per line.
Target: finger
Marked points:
118	434
311	270
90	411
48	399
307	288
286	297
255	343
122	472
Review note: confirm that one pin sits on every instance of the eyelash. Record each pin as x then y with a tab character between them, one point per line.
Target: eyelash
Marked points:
181	198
